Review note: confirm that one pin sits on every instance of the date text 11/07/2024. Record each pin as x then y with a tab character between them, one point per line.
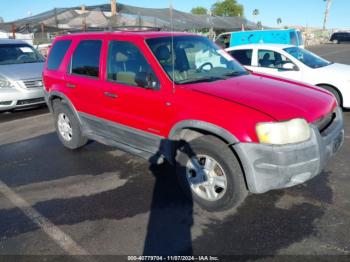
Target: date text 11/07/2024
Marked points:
173	258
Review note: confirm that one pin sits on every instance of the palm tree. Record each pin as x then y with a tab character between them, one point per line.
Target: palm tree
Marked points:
279	21
255	13
259	24
328	6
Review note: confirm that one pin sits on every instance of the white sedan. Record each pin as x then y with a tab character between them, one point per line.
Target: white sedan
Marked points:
298	64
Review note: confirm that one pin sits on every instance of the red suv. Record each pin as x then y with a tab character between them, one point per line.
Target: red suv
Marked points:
179	97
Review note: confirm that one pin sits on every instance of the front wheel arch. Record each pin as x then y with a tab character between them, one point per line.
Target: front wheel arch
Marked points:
202	127
211	146
334	90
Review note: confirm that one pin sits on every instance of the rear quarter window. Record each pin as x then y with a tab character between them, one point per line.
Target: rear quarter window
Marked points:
243	56
57	53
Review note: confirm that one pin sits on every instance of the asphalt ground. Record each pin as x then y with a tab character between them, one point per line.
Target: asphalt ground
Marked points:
102	201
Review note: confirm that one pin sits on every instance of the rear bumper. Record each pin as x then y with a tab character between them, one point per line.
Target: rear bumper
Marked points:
269	167
14	98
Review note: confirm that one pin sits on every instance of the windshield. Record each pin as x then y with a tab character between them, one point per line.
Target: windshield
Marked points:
19	54
306	57
196	59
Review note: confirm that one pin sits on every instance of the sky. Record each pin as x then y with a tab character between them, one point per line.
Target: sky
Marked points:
292	12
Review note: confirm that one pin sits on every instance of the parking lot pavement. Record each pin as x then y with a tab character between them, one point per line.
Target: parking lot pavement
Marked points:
98	200
339	53
24	113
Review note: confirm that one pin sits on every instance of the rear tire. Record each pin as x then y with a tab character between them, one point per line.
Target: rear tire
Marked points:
221	188
334	92
67	126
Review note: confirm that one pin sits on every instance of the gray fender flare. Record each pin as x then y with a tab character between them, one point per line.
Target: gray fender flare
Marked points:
49	97
202	125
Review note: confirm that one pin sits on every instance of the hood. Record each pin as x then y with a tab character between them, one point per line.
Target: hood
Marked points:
22	71
335	69
280	99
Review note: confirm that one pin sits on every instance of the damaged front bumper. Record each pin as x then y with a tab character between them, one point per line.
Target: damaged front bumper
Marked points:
269	167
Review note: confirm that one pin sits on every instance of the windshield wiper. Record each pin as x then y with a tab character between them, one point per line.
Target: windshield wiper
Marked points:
31	62
199	80
236	73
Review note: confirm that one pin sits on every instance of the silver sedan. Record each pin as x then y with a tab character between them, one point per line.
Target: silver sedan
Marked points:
20	75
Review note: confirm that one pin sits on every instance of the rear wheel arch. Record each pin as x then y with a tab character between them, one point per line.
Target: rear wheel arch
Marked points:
67	125
334	90
61	98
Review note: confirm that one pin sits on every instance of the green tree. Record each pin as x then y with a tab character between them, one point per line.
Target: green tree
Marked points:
227	8
199	10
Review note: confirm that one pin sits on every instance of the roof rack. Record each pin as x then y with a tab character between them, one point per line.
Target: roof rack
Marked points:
137	28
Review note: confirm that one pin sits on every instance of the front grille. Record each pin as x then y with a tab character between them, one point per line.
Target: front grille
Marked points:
324	122
30	101
35	83
5	103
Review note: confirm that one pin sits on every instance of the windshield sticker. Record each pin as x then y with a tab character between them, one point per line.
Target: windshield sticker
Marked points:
226	55
26	49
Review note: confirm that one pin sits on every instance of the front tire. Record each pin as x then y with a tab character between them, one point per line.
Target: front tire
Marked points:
67	126
209	173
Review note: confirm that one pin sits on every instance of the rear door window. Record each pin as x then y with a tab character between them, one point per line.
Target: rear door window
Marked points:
243	56
86	58
57	53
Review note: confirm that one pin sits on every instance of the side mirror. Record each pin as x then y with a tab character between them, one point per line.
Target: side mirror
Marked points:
290	67
146	80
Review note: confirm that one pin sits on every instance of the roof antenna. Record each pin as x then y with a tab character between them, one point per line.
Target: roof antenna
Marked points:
172	43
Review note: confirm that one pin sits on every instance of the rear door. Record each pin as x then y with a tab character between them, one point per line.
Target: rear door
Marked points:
83	77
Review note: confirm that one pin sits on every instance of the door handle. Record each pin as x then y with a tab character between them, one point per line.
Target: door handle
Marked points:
70	85
111	95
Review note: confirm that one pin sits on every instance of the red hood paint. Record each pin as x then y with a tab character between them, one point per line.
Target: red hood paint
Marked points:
281	99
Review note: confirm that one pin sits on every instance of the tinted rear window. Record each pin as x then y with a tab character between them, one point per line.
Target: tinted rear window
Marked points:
86	58
57	54
243	56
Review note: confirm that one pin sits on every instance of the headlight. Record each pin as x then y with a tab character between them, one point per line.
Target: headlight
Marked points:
281	133
4	83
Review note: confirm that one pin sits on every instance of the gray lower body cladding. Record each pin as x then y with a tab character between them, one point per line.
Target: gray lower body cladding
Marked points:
125	138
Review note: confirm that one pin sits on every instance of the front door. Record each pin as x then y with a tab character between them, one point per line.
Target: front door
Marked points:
136	101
